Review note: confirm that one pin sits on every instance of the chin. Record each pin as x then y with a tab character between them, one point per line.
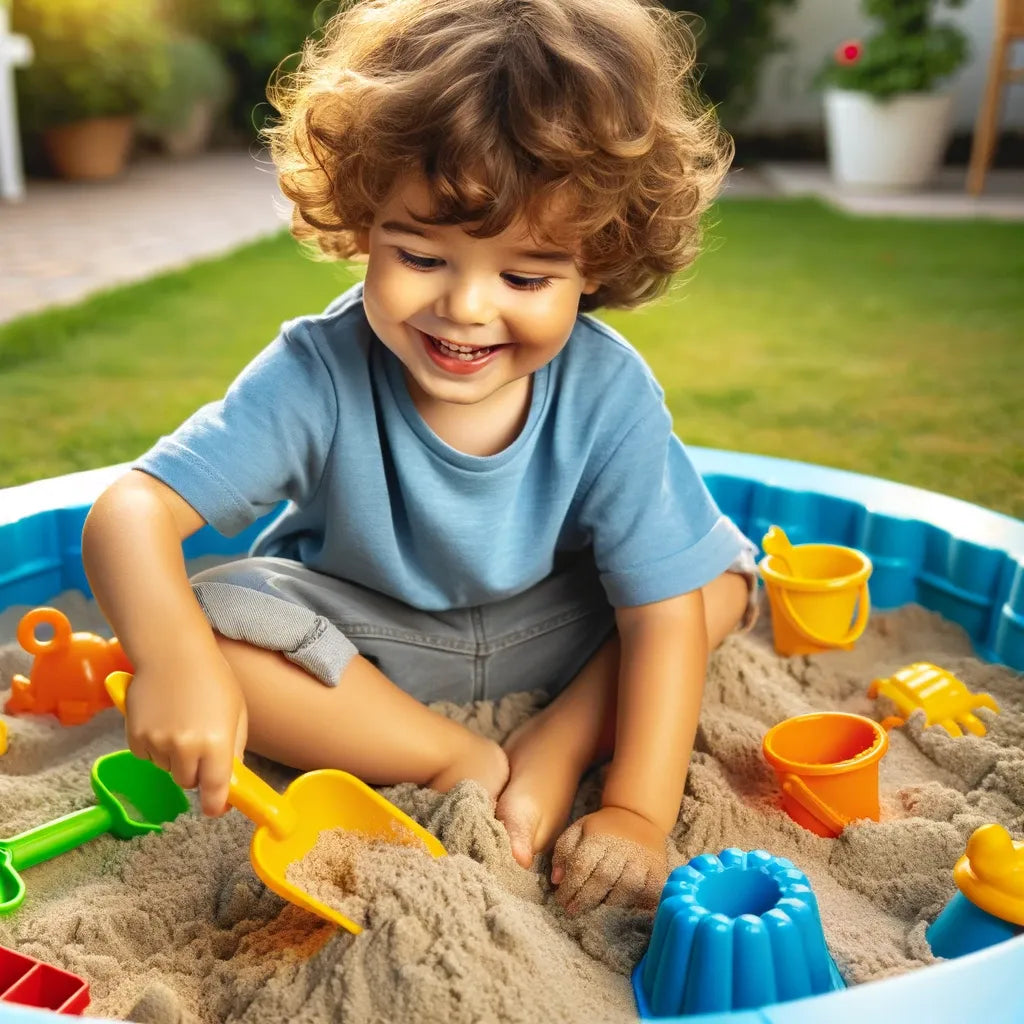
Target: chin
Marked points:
453	396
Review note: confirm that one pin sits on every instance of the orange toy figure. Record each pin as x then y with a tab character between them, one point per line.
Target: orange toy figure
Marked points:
67	676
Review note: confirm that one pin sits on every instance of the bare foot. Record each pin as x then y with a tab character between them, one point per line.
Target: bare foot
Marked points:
534	807
482	760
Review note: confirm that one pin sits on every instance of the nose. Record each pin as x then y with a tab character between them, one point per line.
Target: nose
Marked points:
467	299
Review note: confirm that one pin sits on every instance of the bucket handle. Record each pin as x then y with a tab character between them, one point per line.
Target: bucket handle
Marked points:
863	610
795	788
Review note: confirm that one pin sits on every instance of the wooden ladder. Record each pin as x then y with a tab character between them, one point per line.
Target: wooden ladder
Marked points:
1009	29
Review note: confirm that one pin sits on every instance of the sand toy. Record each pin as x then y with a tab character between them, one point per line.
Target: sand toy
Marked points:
133	797
733	932
290	823
946	701
68	672
3	738
818	594
990	904
26	981
827	767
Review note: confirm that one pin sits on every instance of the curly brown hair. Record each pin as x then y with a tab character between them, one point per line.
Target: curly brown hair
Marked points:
507	107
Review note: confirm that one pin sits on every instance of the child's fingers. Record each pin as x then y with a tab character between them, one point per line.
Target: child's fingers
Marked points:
581	864
214	779
139	744
604	877
184	767
630	885
157	750
567	842
140	748
651	892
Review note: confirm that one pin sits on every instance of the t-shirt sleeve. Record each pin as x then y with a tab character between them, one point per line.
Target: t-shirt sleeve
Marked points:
656	530
266	441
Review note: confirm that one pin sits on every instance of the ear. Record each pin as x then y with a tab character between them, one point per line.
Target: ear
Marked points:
589	287
361	236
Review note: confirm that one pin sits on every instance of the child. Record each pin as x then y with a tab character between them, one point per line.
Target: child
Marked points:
484	491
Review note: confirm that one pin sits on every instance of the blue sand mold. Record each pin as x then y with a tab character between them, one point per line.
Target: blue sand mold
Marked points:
963	928
734	931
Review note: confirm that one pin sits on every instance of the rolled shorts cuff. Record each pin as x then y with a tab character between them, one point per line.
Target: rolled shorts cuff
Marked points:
744	565
309	640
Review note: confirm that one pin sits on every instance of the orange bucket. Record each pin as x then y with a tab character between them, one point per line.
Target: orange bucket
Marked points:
827	767
819	597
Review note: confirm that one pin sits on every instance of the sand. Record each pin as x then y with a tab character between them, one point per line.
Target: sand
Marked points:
176	927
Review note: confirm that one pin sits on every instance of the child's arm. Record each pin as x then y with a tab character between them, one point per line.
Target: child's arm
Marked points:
185	709
661	681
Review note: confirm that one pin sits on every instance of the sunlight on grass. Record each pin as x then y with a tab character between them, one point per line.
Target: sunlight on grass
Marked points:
887	347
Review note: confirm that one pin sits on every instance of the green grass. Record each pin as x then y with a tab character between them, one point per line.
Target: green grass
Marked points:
894	348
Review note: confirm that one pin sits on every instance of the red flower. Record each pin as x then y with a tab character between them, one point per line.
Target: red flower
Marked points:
849	52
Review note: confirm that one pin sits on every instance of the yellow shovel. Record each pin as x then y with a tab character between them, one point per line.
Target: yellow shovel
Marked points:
291	822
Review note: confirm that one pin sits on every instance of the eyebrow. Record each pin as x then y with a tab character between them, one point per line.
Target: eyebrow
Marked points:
546	255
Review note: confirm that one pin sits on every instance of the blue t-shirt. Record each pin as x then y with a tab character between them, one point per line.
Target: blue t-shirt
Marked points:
322	418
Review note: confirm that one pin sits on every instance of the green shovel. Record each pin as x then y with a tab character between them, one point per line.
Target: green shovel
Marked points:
150	798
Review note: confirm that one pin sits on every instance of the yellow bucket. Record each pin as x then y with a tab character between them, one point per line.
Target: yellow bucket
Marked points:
818	595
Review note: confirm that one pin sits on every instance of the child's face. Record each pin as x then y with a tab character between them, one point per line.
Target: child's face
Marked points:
509	311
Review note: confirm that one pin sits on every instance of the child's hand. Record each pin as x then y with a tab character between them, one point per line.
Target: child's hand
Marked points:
613	856
192	723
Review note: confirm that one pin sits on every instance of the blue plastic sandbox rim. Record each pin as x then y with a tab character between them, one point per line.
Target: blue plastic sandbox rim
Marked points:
985	984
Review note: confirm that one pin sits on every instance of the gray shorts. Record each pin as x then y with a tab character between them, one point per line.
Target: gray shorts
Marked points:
539	639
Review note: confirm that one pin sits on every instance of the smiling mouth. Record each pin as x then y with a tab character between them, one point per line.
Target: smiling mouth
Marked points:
464	353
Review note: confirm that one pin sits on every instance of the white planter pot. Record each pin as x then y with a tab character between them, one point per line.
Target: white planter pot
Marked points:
886	144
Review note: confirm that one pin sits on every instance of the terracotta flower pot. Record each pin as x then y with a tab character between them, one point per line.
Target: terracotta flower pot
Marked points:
90	150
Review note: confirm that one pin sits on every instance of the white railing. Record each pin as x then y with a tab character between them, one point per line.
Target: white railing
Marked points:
15	51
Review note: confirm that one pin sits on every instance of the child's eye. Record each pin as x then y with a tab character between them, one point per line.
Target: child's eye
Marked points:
528	284
419	262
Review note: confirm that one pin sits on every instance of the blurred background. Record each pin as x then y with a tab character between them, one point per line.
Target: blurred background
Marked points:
859	304
192	74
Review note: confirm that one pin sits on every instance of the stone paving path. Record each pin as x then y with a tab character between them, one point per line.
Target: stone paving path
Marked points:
67	240
945	199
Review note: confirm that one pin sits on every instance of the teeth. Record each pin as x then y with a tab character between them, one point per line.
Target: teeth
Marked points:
457	348
462	352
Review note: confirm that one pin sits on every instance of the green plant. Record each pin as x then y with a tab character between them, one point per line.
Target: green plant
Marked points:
733	39
93	58
197	73
909	53
253	36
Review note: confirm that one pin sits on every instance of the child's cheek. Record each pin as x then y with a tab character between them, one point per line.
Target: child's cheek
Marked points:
549	322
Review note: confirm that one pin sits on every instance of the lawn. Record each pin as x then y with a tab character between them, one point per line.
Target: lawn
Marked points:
894	348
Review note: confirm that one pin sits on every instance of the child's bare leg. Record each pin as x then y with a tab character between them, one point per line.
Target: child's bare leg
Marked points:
365	725
549	752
